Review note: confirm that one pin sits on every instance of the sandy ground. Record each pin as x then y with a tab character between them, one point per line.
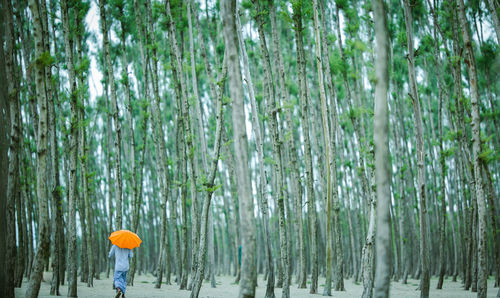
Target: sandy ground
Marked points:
227	289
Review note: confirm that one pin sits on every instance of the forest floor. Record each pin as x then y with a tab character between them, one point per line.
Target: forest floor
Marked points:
144	287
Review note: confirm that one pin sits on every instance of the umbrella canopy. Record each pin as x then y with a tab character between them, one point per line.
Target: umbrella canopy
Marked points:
125	239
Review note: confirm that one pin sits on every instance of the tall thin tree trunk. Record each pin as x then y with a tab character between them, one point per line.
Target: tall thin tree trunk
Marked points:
328	159
260	155
115	112
139	182
4	158
248	273
296	189
272	113
210	186
476	150
109	166
424	248
338	279
41	75
180	91
86	212
14	146
382	155
303	98
56	190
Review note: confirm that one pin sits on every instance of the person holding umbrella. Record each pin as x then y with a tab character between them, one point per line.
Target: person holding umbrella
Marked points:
123	242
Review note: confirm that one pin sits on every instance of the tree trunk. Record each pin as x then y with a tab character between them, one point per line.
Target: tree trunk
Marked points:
14	146
296	189
86	211
210	186
273	113
248	274
329	164
180	91
260	154
144	126
334	140
382	162
109	166
41	75
115	112
424	248
4	158
311	208
476	150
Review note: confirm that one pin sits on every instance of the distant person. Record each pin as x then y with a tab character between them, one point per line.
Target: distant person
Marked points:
122	256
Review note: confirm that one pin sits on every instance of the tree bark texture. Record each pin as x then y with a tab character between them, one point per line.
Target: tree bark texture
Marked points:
248	270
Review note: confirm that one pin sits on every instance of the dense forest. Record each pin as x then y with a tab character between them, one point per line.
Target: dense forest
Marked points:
302	144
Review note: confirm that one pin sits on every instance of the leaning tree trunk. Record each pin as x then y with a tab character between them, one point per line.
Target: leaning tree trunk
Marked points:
210	186
56	190
383	240
180	91
292	152
109	167
365	173
328	159
248	273
144	125
115	112
273	114
338	279
424	248
201	135
161	151
72	260
14	147
87	212
260	155
42	68
476	150
4	159
130	116
301	64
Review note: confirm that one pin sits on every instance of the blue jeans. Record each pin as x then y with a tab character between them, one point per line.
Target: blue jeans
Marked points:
120	280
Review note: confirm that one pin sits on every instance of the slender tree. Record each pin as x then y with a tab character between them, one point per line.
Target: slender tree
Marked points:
4	145
42	68
248	270
326	132
311	210
115	113
476	150
382	164
260	154
14	136
209	185
273	114
424	247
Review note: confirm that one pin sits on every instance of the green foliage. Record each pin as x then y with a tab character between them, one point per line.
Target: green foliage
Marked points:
269	161
246	4
45	59
448	152
226	100
341	4
401	38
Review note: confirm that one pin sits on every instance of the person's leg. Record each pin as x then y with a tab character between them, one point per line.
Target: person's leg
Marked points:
116	283
124	278
120	281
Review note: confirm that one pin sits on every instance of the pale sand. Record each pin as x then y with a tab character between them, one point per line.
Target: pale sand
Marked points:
144	287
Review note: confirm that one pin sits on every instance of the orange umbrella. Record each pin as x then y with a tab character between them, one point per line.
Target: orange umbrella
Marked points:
125	239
